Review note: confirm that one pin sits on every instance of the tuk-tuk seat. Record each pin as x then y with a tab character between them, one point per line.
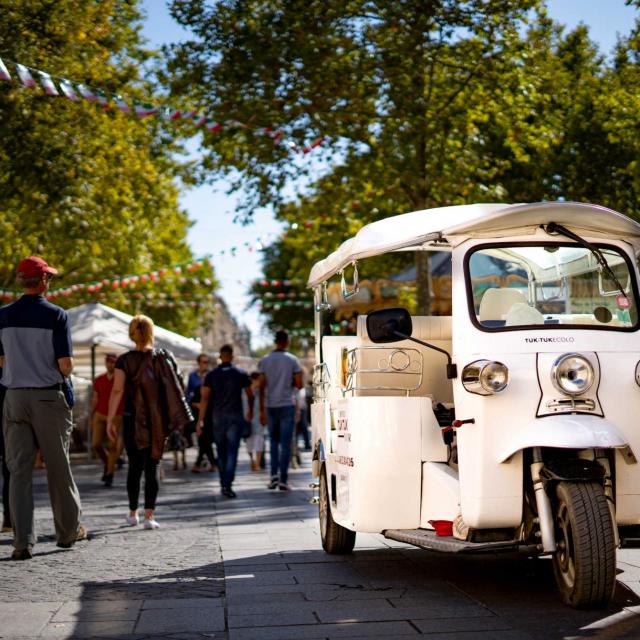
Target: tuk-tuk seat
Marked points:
496	304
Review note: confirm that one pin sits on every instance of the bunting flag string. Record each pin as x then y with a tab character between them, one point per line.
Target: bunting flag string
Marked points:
55	86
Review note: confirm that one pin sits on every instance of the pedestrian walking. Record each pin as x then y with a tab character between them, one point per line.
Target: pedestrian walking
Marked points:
36	358
102	387
6	511
255	441
281	375
154	404
221	407
205	439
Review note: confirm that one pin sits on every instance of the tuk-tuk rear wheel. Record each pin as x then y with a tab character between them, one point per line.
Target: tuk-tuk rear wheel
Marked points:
336	539
585	560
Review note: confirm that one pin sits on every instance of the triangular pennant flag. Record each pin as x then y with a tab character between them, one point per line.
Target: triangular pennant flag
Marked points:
213	126
188	114
199	119
25	76
4	74
86	93
68	90
122	105
175	114
47	84
144	110
102	99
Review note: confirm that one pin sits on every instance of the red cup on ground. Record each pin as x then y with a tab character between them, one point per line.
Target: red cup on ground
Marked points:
442	527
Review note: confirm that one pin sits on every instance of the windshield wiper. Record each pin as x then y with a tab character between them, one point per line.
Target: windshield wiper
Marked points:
554	227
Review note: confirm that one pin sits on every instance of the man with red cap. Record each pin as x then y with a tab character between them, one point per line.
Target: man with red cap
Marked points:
36	358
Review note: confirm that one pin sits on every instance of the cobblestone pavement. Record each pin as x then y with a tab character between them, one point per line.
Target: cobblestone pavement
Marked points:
253	569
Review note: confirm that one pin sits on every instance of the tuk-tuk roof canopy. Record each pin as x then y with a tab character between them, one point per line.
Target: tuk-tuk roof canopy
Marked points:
419	229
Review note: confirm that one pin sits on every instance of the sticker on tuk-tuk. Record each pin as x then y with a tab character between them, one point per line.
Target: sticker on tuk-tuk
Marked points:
622	301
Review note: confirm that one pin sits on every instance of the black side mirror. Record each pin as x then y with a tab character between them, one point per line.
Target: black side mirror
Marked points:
389	325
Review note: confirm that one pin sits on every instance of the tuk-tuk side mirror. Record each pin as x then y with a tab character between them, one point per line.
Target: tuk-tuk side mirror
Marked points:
389	325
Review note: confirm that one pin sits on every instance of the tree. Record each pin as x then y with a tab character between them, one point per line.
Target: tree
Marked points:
398	87
93	191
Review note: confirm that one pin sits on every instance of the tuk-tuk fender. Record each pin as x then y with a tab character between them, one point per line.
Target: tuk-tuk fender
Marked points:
561	431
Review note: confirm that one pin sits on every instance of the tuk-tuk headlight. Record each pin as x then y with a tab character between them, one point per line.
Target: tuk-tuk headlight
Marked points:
485	377
572	374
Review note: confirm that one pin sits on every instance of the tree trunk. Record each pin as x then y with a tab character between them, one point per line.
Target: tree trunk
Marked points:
423	284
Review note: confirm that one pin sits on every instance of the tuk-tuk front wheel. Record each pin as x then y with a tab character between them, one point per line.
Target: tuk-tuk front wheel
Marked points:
336	539
585	560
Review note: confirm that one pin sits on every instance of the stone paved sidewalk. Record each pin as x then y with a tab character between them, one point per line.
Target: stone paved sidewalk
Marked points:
253	568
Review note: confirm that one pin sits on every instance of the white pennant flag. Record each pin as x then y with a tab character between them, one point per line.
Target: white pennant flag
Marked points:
67	88
47	84
25	76
102	99
86	93
122	105
4	74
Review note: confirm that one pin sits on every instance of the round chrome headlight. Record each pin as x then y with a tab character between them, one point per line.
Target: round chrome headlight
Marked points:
485	377
572	374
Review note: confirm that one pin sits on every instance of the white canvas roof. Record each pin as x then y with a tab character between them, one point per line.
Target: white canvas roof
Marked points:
419	228
96	324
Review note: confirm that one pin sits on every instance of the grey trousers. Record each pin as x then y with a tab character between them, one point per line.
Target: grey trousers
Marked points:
31	414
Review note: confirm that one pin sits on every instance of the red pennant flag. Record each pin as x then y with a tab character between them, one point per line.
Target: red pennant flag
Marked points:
213	126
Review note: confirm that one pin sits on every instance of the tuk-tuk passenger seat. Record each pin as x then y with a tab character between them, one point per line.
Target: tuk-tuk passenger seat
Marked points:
496	304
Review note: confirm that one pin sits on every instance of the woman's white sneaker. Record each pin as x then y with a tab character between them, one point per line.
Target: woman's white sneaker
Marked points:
150	524
133	521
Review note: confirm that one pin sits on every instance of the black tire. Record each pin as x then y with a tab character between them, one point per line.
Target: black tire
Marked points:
585	560
336	539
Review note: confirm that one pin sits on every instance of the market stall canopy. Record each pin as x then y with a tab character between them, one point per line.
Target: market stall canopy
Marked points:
96	327
432	228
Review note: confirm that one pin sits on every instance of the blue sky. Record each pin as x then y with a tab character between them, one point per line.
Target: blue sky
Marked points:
212	211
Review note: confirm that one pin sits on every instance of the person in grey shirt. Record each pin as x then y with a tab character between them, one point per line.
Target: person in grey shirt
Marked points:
280	376
36	357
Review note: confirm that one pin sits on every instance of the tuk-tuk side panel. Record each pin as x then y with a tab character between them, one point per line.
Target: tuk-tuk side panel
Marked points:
619	396
377	463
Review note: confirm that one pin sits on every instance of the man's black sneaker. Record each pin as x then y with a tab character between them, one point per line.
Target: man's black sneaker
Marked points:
228	493
108	480
120	463
21	554
274	482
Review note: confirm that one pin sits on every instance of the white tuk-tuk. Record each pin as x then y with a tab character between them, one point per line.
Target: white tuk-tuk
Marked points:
511	425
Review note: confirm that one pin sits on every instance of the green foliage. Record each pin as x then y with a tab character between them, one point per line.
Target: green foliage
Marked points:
94	192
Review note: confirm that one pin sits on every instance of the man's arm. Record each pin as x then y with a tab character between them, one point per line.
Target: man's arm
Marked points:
297	379
65	365
205	394
94	401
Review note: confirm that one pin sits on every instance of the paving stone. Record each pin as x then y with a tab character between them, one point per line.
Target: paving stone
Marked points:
284	618
182	603
25	618
88	629
98	610
366	630
200	619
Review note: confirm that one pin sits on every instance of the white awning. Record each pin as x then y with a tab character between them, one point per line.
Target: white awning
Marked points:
418	228
96	326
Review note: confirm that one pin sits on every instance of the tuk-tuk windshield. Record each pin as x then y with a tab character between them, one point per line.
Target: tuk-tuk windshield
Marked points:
547	284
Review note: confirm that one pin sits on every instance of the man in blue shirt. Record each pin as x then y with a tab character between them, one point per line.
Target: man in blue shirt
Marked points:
221	409
281	375
36	357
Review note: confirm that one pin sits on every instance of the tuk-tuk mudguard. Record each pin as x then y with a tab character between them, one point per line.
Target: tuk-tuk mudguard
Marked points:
563	432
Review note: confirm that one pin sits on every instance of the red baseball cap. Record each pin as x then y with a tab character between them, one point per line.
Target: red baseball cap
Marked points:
32	267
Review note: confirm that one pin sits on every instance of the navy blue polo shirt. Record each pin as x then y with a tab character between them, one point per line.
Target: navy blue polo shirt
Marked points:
34	335
226	383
